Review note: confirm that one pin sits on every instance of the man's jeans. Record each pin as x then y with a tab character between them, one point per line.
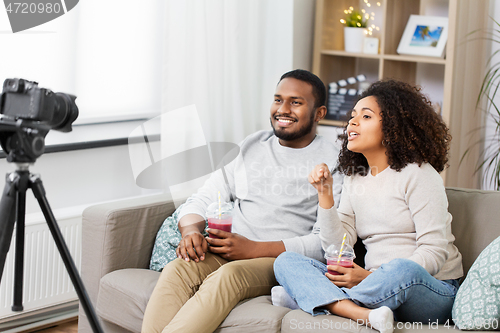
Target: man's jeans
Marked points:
402	285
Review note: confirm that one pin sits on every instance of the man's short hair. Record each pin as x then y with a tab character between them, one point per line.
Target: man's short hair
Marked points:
319	90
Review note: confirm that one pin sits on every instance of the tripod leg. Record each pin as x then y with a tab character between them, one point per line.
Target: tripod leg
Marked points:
39	192
7	218
22	186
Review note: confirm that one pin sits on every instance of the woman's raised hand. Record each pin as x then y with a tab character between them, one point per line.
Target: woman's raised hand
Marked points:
321	178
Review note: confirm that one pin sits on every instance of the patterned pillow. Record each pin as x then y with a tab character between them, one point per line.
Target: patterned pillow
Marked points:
477	305
167	240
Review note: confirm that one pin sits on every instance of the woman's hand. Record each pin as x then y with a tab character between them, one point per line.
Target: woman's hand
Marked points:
350	276
321	178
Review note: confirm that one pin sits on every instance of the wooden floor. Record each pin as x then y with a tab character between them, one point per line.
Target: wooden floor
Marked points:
67	327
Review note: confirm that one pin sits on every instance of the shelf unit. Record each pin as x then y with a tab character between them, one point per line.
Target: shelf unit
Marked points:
331	63
452	82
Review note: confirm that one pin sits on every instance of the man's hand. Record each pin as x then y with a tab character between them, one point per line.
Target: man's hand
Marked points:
193	245
350	276
322	180
232	246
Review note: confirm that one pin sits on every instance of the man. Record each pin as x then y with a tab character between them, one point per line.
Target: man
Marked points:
274	211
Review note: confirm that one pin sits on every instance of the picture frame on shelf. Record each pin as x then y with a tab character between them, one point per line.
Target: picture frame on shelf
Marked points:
371	45
424	36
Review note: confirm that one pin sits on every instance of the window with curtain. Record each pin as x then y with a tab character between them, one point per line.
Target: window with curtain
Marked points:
107	53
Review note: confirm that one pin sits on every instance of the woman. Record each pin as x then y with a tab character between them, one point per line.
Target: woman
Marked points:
393	199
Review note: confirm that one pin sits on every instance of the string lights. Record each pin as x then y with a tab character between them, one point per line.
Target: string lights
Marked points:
360	19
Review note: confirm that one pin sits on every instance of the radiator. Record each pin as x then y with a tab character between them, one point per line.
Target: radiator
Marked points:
46	281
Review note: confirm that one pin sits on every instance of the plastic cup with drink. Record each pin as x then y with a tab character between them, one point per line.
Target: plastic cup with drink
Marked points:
344	258
220	216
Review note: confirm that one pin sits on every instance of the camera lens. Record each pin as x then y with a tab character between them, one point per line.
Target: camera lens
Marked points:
65	112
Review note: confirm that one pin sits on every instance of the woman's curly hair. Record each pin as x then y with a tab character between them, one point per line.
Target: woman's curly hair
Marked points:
413	131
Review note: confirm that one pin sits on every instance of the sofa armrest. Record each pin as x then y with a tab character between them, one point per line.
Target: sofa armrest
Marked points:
120	235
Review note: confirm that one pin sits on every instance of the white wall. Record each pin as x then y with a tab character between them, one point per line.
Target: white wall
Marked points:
294	31
303	26
430	76
82	177
331	133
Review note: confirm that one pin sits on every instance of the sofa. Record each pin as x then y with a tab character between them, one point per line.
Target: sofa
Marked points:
118	239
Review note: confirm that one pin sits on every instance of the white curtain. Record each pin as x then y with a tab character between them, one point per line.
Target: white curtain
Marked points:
222	60
226	57
107	53
117	58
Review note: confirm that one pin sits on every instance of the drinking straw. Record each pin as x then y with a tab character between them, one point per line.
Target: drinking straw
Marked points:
219	206
341	248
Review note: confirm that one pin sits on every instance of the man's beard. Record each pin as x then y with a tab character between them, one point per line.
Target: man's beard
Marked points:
303	131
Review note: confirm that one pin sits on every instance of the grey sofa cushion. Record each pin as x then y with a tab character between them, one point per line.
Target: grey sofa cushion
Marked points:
118	235
254	315
123	296
475	221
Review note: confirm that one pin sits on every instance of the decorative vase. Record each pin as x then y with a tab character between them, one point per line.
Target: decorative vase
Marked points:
353	39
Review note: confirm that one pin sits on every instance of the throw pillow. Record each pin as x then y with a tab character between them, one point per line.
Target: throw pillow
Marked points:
477	304
166	242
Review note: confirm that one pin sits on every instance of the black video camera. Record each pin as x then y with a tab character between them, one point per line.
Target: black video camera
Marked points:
29	112
23	99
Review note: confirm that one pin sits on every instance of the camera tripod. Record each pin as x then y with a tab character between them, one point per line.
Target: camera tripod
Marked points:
12	211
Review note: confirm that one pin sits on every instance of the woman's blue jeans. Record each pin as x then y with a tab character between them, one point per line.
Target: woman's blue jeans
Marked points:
401	284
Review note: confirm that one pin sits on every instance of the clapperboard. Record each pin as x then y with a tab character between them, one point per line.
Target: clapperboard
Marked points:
341	98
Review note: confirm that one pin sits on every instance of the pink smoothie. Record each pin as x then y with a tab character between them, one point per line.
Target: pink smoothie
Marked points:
223	224
343	262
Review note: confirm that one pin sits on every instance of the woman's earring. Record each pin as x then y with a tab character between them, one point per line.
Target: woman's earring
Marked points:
384	143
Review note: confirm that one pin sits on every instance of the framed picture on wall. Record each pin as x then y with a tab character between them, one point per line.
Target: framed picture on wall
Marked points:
424	36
